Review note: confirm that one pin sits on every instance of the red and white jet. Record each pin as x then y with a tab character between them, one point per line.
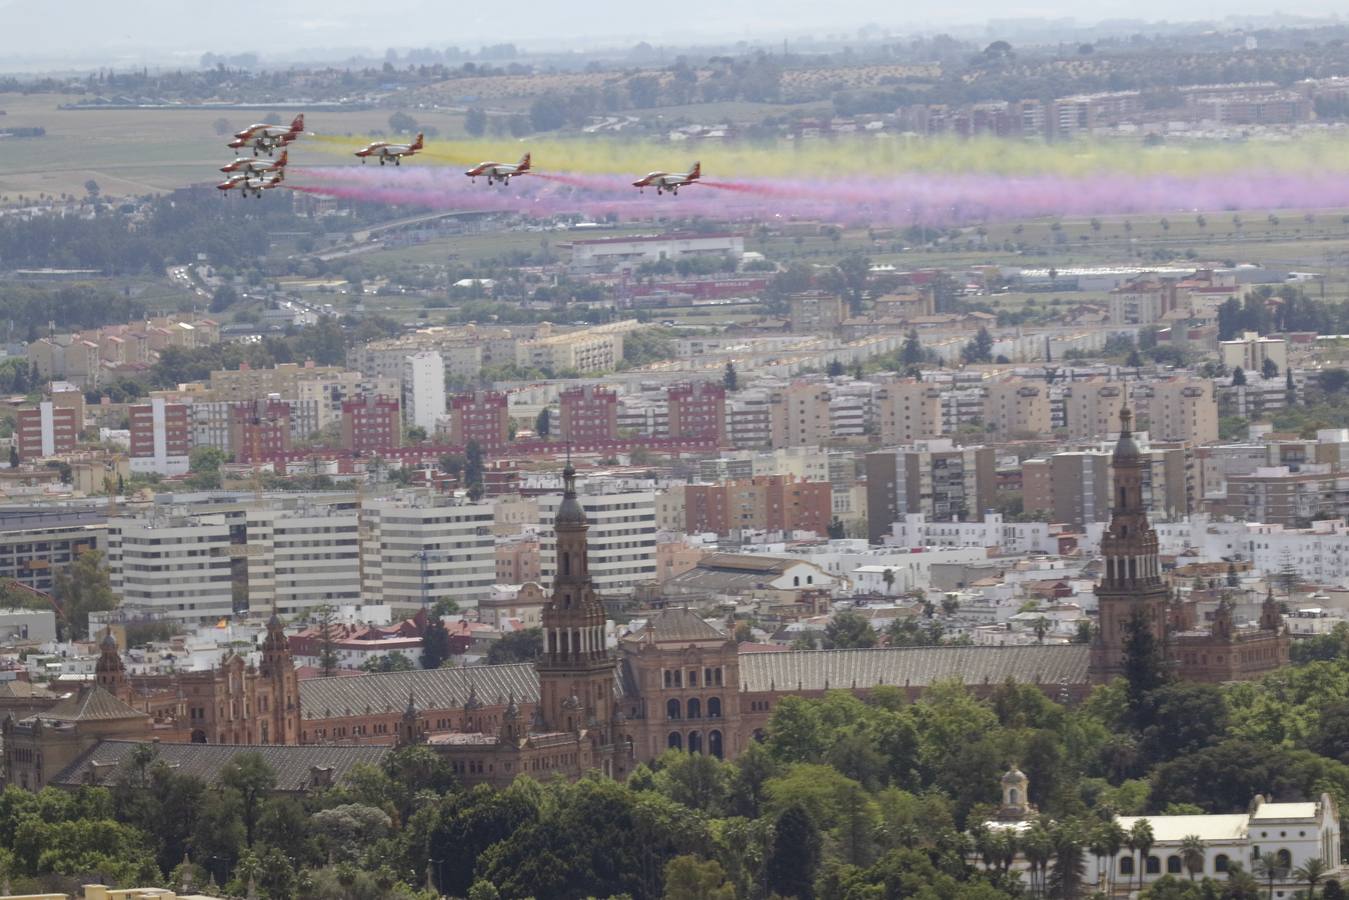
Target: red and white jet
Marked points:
501	172
254	184
267	137
251	165
385	151
670	181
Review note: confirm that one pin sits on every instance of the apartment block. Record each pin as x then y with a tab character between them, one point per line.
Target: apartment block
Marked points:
1017	407
172	565
1250	352
936	478
622	537
1179	409
371	424
481	416
696	410
36	542
1070	488
763	503
419	548
260	430
589	414
424	390
46	430
1091	408
799	415
908	411
161	437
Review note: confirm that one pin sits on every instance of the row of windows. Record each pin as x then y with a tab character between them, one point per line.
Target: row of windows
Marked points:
675	677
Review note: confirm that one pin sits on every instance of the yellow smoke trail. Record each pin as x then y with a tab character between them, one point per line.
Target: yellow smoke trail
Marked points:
882	155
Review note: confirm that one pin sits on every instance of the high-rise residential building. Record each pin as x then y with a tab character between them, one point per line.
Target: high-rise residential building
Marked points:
38	542
1180	409
260	430
315	558
1070	488
799	415
589	415
908	411
371	424
1091	408
419	548
749	419
482	417
46	430
171	565
1250	352
697	409
763	503
424	389
161	437
936	478
622	537
1016	408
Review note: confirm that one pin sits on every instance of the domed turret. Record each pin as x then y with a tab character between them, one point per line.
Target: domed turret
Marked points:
1126	448
570	511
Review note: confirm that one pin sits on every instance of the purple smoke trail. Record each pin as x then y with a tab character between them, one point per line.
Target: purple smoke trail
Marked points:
899	200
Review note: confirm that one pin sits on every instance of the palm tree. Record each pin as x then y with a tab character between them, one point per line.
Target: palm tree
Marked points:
1069	863
1141	840
1266	867
1192	854
1312	871
1096	843
888	576
1038	846
1114	837
1006	845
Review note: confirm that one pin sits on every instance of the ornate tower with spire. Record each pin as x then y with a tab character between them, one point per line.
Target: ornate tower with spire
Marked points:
279	688
1132	581
576	672
109	673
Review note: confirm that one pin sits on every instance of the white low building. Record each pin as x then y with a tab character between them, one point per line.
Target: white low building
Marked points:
1012	538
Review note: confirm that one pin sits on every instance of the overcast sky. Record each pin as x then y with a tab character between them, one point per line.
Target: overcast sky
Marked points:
81	30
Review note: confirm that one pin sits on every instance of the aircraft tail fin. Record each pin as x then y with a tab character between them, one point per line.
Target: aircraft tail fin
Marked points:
696	172
417	144
524	164
283	159
297	124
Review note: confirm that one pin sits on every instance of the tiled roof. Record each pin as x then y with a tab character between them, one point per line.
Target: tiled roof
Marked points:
677	624
814	670
296	768
91	704
323	698
25	690
745	562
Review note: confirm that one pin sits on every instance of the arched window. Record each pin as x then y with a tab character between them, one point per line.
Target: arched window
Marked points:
676	741
796	581
1154	866
695	708
695	742
1126	865
198	736
1284	860
714	707
1013	796
672	708
1173	866
714	744
1220	862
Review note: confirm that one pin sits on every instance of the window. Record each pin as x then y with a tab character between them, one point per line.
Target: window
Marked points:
1154	865
1126	865
1220	862
1173	866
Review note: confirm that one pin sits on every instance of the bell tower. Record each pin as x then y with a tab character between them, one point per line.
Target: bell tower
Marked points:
281	687
109	673
576	672
1133	574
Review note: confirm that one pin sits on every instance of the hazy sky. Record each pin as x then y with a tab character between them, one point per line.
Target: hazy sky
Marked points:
80	30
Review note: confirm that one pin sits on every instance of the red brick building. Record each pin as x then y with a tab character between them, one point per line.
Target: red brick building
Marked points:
481	416
161	436
763	503
697	410
260	430
589	414
46	430
371	424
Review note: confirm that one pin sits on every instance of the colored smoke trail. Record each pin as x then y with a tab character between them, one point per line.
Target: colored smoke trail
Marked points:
904	200
884	156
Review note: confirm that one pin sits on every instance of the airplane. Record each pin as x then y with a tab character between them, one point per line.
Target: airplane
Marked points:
386	151
670	181
251	165
245	183
267	137
501	172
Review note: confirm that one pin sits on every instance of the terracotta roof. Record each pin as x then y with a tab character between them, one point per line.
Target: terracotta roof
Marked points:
677	624
297	768
90	704
813	670
15	689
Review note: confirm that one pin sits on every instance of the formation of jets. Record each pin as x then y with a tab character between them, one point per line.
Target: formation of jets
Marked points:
499	172
253	174
669	181
385	151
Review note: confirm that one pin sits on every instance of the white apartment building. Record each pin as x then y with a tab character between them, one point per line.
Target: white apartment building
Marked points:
419	548
1319	554
1250	351
748	418
423	389
1008	537
622	537
172	565
315	559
